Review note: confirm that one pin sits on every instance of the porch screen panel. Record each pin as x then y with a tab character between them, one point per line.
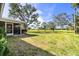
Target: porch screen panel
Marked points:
9	28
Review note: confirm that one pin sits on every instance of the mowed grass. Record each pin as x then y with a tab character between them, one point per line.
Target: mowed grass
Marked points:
40	42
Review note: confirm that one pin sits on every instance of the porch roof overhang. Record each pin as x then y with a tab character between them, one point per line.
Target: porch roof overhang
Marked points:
11	20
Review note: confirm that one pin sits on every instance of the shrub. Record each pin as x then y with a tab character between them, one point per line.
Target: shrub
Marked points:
3	42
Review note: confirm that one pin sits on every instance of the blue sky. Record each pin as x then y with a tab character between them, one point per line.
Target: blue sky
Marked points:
47	10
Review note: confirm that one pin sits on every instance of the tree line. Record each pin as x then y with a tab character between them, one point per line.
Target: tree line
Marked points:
61	20
28	14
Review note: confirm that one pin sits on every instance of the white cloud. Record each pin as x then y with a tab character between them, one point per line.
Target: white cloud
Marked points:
40	19
39	12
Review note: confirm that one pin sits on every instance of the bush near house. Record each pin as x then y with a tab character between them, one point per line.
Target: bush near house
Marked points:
3	42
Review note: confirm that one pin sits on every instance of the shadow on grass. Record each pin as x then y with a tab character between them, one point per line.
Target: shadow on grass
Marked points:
28	35
18	47
42	32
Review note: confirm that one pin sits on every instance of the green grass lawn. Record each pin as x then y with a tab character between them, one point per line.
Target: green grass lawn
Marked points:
40	42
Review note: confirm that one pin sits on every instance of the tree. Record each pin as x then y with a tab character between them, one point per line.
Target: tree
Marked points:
61	20
23	12
51	25
75	6
38	25
44	25
70	26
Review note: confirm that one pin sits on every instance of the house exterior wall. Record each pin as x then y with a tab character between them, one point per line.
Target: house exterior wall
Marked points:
11	27
4	23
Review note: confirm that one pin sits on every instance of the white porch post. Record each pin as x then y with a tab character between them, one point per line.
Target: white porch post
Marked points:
6	27
12	28
20	29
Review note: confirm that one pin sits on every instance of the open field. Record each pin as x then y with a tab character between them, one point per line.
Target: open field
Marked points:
40	42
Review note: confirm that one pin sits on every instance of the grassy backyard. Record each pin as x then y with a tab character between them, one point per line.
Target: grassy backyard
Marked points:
40	42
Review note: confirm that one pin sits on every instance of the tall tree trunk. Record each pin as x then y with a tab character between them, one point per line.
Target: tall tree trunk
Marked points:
75	13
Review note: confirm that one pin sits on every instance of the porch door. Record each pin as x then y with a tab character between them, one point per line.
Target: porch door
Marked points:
16	28
9	28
